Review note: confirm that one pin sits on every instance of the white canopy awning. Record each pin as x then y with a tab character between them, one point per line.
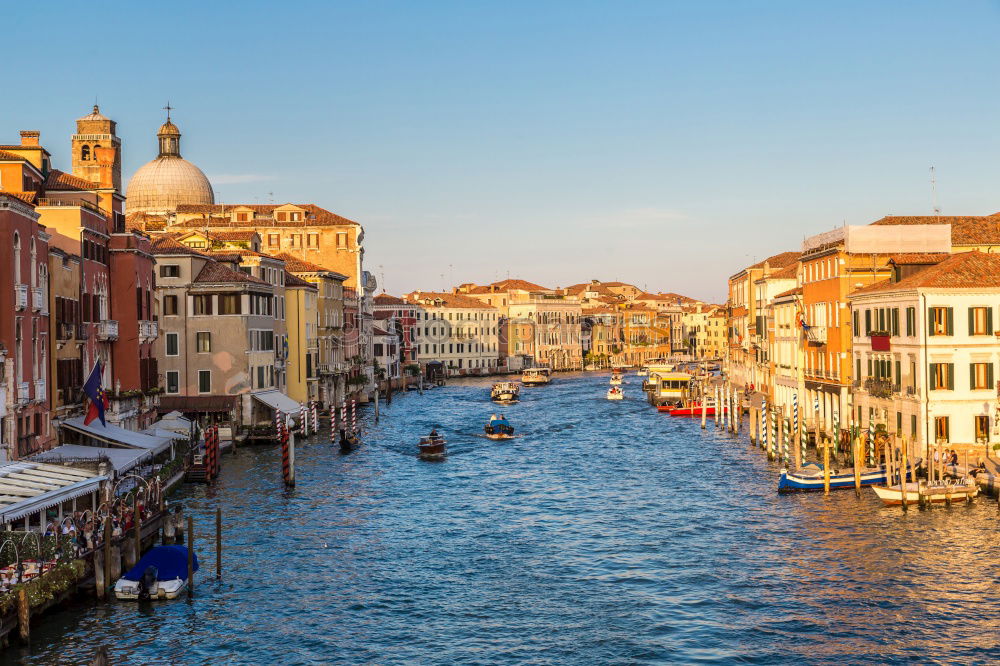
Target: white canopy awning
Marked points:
28	487
155	431
113	436
121	459
278	400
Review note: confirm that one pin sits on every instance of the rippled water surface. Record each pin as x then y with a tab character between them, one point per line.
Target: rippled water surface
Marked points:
605	534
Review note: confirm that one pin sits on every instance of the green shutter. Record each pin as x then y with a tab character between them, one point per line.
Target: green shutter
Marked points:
989	375
972	321
933	373
868	322
951	321
869	367
931	328
857	324
895	321
951	374
972	375
989	320
899	375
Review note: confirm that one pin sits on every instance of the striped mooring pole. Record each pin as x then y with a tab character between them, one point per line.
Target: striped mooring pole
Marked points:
343	416
287	458
786	452
775	441
764	425
836	431
303	422
209	455
354	417
315	416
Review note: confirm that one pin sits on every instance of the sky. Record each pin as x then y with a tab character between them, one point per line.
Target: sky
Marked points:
667	144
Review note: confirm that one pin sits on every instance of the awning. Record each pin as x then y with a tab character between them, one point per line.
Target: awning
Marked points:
113	436
121	459
28	487
278	400
155	431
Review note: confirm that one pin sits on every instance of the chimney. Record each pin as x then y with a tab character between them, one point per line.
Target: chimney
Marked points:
30	137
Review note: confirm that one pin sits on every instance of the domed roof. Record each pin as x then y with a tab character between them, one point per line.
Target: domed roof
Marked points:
94	115
166	182
168	128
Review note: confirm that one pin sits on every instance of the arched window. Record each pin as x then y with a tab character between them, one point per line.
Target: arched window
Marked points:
17	258
96	146
85	152
34	264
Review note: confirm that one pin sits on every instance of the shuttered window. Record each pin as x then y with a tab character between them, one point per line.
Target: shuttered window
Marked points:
942	321
980	376
981	321
942	376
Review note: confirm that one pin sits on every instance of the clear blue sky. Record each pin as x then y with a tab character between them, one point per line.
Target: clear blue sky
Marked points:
662	143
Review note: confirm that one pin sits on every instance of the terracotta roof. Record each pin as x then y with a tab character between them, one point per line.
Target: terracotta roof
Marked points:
513	283
965	229
145	222
316	216
386	299
234	235
19	146
230	252
166	244
293	281
918	258
787	273
26	197
214	271
964	270
449	300
790	292
6	156
60	180
779	260
296	265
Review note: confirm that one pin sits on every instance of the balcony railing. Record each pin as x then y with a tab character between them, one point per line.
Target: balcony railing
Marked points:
37	298
911	391
816	335
20	296
149	329
107	330
82	331
40	390
879	388
22	393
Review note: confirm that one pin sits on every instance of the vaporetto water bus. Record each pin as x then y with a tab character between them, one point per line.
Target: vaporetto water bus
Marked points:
536	376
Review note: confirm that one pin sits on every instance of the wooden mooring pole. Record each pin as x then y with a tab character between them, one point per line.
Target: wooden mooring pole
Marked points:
136	532
826	465
903	473
23	615
107	555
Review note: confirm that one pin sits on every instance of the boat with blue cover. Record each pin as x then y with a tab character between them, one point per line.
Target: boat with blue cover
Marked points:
160	574
811	478
499	428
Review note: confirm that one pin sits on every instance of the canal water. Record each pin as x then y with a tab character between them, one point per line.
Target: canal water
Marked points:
606	533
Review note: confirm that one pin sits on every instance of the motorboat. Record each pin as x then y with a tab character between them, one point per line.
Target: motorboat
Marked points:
505	392
536	376
431	447
162	573
811	477
616	393
499	428
616	379
960	491
691	409
643	371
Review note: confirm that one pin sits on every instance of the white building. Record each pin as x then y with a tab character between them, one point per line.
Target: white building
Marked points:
926	351
459	331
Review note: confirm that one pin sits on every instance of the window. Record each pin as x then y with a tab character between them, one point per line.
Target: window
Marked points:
173	381
980	376
203	304
911	321
170	271
260	376
980	321
982	428
229	304
204	381
895	321
857	323
282	217
172	344
85	153
169	305
942	321
942	376
341	239
273	240
242	217
941	429
913	425
204	339
312	240
868	322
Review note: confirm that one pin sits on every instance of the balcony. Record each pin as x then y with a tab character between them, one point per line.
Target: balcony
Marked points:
22	393
82	331
912	392
40	390
20	296
879	388
107	330
816	335
149	330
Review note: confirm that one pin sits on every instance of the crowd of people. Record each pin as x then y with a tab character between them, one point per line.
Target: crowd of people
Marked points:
85	529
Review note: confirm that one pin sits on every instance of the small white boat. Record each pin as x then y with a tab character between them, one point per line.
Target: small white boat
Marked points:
160	574
947	492
616	393
642	372
616	380
505	392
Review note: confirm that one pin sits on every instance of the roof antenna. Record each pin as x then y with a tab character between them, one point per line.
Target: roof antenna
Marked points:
934	203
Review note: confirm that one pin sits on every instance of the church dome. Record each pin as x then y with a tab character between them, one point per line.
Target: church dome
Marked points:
166	182
169	180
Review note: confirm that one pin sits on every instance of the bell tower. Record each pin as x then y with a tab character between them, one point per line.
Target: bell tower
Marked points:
97	151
